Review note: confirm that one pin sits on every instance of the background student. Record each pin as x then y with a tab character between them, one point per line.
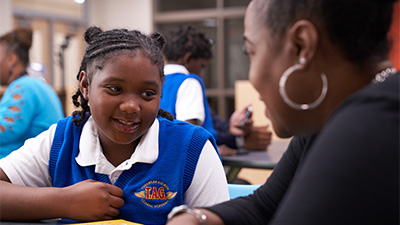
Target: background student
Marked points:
115	158
29	105
327	80
186	53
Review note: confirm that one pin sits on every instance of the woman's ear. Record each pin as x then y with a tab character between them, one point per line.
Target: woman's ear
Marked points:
304	36
84	84
12	59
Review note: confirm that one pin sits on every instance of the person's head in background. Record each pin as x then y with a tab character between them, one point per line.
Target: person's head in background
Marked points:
189	47
294	45
14	54
120	81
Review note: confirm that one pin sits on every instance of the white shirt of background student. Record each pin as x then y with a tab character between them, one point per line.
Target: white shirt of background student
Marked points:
189	101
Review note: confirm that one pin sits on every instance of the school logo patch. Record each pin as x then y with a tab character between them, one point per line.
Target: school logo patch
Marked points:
155	194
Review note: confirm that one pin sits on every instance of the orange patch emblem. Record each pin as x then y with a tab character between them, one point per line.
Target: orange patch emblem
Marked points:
14	108
9	119
155	194
17	96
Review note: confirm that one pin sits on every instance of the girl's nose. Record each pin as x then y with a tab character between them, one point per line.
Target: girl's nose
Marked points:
130	106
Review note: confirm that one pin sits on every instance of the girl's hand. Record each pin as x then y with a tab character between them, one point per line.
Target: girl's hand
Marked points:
91	200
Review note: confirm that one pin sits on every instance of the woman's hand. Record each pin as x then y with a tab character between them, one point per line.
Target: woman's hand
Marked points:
190	219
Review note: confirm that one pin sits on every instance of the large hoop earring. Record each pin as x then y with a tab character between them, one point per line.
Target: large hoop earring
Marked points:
288	101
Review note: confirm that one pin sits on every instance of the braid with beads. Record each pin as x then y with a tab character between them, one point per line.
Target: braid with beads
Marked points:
104	45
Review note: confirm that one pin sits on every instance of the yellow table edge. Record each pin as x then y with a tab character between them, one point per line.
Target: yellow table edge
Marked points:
113	222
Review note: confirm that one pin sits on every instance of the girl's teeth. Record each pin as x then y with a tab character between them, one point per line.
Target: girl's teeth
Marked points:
127	123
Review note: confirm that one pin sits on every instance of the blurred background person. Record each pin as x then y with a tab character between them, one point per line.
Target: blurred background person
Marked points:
29	105
231	135
187	52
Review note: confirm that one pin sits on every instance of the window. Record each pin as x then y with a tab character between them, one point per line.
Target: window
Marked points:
221	20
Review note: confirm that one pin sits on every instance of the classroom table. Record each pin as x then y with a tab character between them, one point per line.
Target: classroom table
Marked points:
58	222
264	159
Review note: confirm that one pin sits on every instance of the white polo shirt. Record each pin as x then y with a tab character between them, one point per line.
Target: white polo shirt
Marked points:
189	101
28	166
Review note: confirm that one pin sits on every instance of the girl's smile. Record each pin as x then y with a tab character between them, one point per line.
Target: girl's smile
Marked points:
126	126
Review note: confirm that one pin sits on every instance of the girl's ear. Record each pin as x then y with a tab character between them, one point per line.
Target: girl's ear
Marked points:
84	84
304	36
186	58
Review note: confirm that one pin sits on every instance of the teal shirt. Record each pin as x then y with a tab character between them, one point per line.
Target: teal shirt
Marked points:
28	107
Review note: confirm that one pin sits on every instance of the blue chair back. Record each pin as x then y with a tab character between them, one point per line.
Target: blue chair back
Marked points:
239	190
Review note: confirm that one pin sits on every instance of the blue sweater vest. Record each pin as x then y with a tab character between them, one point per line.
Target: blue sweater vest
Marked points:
150	190
170	89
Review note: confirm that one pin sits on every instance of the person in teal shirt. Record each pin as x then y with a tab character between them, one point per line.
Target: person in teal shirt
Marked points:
29	105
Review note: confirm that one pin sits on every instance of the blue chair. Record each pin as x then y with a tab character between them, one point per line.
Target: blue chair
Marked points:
239	190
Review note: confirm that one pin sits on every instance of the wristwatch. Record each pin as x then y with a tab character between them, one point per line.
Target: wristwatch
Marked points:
239	141
184	208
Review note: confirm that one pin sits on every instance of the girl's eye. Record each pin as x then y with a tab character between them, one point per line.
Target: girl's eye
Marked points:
244	49
149	93
114	89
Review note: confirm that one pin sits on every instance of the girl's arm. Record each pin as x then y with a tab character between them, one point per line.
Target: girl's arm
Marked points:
85	201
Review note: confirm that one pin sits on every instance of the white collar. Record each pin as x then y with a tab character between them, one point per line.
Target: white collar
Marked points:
175	68
91	153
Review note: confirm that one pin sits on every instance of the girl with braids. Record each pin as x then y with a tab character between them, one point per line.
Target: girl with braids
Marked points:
29	105
186	53
321	67
117	157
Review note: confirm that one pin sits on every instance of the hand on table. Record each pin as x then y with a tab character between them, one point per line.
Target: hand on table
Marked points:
258	138
226	151
91	200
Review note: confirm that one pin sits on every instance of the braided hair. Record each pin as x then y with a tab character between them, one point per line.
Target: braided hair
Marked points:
105	45
187	39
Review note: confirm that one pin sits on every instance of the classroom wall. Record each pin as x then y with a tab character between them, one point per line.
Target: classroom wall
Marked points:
5	16
130	14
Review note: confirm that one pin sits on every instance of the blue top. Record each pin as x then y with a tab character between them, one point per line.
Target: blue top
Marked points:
150	190
170	89
28	107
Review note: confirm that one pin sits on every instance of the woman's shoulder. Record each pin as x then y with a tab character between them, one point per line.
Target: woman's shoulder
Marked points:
369	117
373	98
